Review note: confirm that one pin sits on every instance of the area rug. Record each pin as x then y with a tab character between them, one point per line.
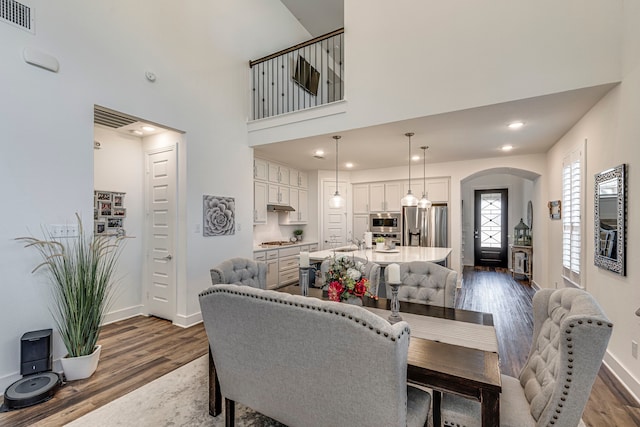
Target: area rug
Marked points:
179	398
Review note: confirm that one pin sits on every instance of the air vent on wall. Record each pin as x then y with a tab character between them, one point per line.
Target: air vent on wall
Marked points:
17	14
110	119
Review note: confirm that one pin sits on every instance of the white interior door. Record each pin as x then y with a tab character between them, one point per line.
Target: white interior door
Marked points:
160	227
334	222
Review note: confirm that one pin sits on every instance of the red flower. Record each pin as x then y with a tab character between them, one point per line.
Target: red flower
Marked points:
335	290
360	289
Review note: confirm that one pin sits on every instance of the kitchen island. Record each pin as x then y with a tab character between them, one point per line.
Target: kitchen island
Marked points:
383	258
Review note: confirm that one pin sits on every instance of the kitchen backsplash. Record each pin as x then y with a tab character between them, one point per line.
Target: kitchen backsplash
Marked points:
273	231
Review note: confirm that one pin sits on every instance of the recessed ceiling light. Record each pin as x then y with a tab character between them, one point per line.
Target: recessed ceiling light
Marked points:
136	132
516	125
319	153
349	165
415	158
148	128
507	147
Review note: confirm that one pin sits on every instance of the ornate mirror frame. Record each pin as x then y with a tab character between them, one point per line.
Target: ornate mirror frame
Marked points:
610	206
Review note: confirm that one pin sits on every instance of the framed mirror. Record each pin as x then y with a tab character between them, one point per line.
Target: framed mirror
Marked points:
610	205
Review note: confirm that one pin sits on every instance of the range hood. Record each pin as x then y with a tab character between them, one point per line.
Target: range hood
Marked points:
280	208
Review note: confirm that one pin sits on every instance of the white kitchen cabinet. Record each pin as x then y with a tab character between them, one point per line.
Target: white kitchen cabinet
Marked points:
288	265
278	195
360	225
298	200
270	258
298	179
361	199
303	206
438	190
385	197
260	169
259	202
279	174
393	194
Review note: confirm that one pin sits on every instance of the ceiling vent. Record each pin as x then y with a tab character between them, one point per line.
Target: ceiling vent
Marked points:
18	14
102	116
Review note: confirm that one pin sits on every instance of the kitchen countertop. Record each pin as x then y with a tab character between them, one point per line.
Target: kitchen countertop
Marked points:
258	247
403	254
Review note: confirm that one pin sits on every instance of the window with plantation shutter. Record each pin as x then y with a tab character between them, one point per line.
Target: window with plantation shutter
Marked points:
572	206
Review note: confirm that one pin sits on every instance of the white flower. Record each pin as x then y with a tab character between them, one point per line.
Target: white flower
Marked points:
354	274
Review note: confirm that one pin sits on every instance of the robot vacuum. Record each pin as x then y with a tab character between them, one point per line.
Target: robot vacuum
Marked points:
31	390
39	383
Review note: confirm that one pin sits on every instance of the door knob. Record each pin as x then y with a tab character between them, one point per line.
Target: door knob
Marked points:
168	257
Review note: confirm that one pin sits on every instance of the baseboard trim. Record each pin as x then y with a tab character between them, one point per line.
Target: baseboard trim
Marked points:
620	373
188	321
125	313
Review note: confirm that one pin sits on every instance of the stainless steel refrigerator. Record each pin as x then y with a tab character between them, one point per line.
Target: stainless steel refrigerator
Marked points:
428	227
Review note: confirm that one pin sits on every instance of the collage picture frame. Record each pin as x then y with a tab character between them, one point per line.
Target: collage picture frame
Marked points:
109	212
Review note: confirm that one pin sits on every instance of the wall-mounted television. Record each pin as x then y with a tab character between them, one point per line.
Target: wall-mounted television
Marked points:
306	76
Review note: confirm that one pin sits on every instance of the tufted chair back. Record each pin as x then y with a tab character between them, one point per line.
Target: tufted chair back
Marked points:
570	336
371	272
241	271
426	283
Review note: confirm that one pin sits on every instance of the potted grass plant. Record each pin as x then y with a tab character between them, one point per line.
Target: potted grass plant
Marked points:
81	271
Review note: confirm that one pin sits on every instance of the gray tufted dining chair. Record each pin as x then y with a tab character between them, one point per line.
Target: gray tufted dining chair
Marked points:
426	283
570	336
242	271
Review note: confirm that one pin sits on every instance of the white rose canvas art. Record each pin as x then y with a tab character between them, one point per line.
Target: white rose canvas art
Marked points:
218	216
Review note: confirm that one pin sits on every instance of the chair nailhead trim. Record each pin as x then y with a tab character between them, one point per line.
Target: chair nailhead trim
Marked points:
213	290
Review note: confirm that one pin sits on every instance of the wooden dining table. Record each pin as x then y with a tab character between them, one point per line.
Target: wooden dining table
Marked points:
450	367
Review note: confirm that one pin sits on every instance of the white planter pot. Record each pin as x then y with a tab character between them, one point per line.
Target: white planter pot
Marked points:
380	246
78	368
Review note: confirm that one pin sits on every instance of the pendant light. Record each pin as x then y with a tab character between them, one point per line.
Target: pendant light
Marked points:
409	199
424	203
336	201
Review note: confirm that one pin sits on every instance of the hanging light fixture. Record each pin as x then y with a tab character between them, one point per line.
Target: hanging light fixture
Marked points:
424	203
409	199
336	201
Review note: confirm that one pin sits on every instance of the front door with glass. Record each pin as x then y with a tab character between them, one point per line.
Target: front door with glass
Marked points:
490	229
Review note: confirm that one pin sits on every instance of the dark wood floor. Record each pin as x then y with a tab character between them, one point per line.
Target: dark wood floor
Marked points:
137	351
134	352
491	291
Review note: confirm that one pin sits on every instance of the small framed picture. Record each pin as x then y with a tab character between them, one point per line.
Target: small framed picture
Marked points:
118	200
103	196
104	208
101	227
555	210
119	212
114	223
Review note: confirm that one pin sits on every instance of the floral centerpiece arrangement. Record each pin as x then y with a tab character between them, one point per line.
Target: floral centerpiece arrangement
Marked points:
345	280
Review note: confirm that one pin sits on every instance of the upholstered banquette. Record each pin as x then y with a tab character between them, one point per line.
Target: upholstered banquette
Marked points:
240	270
570	336
426	283
307	362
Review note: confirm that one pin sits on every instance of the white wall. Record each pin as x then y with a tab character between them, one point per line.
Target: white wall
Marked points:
118	167
437	56
612	131
199	51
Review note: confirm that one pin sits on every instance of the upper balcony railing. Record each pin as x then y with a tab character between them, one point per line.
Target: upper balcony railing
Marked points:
302	76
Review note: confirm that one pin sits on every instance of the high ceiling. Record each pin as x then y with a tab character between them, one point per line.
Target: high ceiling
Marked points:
461	135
